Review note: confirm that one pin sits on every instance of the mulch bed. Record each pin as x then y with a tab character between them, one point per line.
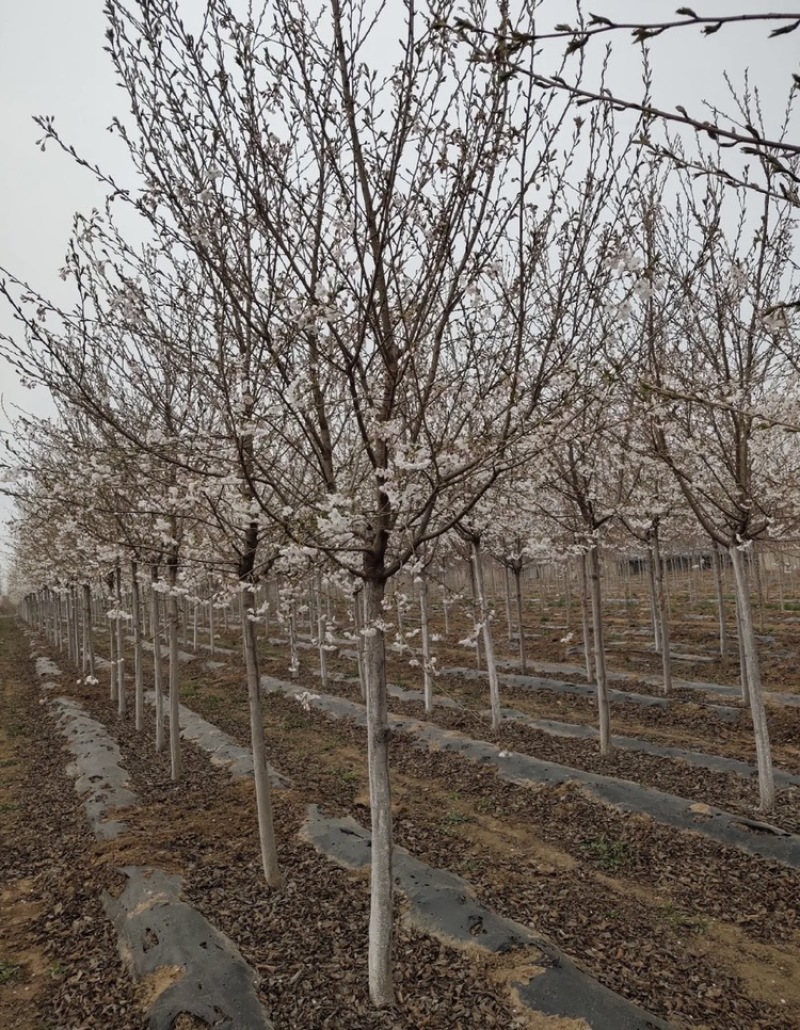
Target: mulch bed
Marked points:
628	898
79	980
683	873
308	940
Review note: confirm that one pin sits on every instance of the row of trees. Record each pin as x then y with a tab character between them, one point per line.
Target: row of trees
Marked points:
357	305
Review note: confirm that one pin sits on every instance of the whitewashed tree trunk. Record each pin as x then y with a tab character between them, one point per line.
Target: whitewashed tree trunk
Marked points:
211	620
112	656
749	658
158	666
64	623
322	635
399	602
294	661
603	706
424	619
266	830
509	620
568	593
653	591
173	628
74	623
744	678
760	593
88	632
381	987
488	640
721	607
138	670
312	617
59	622
122	700
521	650
358	625
265	610
585	623
476	612
662	612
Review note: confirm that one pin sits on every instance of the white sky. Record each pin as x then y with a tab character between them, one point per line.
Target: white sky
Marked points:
52	62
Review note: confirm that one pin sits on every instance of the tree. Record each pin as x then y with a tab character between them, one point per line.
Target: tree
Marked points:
742	131
716	387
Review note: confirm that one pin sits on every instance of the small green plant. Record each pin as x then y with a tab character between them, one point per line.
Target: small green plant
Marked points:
295	721
15	729
610	855
685	920
57	971
455	819
8	972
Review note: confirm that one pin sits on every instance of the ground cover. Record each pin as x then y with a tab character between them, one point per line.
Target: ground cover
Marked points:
693	931
563	864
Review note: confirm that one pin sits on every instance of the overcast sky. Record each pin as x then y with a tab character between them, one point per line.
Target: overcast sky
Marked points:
52	62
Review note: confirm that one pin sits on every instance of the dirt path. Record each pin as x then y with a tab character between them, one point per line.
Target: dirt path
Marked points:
59	965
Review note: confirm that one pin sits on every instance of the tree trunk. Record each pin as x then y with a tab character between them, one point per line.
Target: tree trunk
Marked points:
358	623
174	699
744	678
509	621
266	830
424	619
210	619
112	656
603	707
568	595
158	668
585	624
137	649
663	613
381	987
756	563
749	658
294	660
523	658
322	634
718	581
488	640
76	621
88	632
265	611
476	608
651	579
121	697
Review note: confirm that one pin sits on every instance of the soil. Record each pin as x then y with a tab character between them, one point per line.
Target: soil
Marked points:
702	935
